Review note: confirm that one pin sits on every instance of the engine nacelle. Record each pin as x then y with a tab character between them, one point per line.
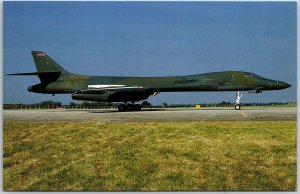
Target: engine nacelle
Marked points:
90	97
111	96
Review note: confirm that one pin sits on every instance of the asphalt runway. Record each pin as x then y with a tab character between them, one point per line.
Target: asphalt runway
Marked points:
154	115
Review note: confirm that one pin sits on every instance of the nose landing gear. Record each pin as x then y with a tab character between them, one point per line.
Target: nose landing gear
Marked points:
237	105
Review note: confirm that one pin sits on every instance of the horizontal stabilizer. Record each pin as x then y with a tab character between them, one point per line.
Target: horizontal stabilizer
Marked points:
45	77
34	73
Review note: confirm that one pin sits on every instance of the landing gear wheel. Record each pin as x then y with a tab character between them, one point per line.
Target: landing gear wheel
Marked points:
237	107
137	107
121	107
130	107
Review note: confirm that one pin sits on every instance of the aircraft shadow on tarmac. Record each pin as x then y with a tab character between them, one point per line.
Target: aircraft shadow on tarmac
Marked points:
116	111
162	109
152	110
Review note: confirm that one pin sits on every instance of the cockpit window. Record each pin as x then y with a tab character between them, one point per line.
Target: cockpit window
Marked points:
256	76
251	75
247	74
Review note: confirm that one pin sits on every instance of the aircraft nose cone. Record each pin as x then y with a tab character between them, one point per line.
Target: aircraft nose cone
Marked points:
284	85
29	89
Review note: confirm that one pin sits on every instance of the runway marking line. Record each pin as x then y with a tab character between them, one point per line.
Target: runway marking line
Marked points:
244	114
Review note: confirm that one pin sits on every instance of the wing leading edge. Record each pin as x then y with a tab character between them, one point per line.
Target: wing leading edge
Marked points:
94	89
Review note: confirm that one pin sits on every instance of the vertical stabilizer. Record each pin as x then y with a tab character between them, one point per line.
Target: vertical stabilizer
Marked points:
44	63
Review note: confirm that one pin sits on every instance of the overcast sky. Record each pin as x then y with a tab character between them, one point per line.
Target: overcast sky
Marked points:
152	39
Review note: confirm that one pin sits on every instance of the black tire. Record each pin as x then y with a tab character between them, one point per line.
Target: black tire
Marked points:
121	108
237	107
137	107
130	107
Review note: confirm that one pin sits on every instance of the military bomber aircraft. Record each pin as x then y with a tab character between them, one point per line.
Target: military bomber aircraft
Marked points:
128	90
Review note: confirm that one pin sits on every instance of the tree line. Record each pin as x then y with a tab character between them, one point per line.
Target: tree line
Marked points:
145	104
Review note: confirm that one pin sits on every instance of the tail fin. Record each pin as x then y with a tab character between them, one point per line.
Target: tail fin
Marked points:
45	64
47	69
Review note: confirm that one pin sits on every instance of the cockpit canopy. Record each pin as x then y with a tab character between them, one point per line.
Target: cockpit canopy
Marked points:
252	75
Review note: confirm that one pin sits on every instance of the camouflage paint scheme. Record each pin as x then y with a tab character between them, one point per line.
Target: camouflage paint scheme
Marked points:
56	80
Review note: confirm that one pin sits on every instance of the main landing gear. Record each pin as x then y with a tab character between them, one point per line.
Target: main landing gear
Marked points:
237	105
129	107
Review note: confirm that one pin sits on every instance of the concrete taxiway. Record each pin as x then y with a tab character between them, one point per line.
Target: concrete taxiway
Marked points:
153	115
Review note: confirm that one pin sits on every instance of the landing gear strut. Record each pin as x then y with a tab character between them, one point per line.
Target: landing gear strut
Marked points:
137	107
237	105
129	107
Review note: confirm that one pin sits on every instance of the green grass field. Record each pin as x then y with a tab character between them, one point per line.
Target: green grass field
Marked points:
171	156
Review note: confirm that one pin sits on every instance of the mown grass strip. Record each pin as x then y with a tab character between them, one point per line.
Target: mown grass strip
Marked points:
180	156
